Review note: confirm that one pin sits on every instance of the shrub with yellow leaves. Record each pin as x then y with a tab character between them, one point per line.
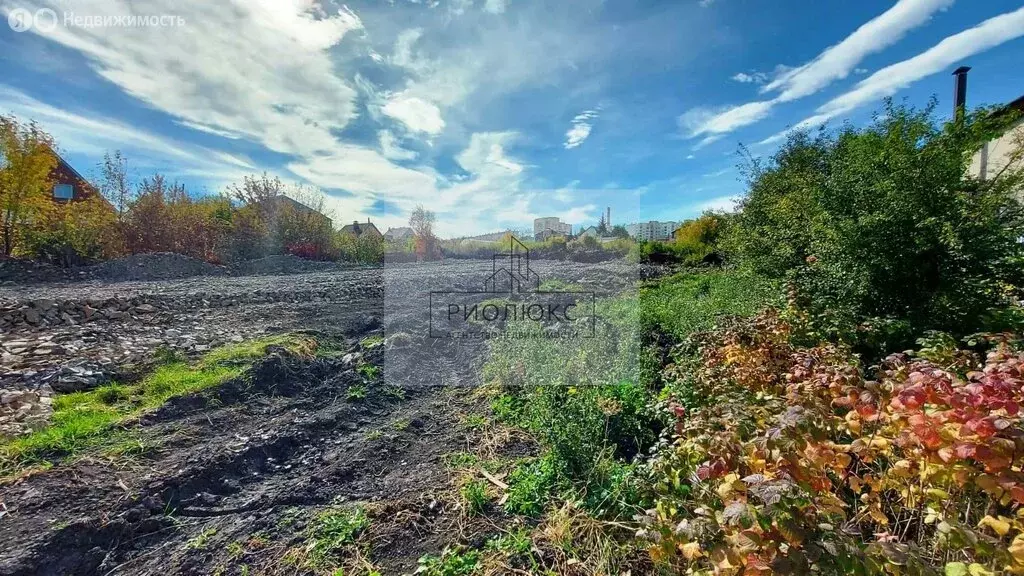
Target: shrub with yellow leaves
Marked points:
809	461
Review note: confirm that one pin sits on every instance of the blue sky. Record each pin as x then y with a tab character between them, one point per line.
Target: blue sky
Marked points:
489	112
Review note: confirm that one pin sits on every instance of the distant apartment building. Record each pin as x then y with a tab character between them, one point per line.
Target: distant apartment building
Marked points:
653	230
544	228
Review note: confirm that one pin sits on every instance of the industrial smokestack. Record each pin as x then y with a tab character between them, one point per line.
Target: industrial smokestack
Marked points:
960	91
608	219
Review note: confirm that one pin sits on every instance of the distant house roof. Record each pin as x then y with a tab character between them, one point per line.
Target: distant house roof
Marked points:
400	232
65	173
279	201
360	228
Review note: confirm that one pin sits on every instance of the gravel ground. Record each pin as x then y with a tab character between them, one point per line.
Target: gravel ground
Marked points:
132	320
261	455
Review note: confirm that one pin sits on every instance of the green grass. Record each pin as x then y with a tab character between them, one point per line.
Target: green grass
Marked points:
452	562
371	341
474	493
84	420
369	371
474	422
693	302
331	531
356	392
588	400
556	285
202	540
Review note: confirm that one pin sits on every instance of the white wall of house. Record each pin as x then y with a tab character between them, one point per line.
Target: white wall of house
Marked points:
995	155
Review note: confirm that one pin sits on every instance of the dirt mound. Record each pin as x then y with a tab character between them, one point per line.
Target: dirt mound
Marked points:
280	264
16	271
155	266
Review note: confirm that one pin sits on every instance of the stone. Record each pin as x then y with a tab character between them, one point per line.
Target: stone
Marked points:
32	316
145	309
44	304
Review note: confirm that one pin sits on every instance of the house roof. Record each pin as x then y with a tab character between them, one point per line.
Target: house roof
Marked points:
360	228
1017	105
66	166
399	230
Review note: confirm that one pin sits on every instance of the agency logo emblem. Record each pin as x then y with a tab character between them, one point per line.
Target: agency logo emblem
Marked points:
511	304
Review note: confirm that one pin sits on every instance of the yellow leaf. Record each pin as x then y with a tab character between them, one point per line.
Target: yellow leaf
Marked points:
724	559
691	550
878	515
999	525
976	569
1017	549
842	460
724	489
956	569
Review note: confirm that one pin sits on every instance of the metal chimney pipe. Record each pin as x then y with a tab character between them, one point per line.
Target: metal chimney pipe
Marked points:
960	91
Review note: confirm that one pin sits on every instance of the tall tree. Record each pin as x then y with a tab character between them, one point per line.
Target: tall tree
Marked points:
256	189
26	161
422	223
115	184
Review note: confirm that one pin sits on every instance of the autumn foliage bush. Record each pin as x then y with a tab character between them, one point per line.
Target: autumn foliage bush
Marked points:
808	460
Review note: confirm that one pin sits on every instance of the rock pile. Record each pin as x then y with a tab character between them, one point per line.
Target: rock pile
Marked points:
51	312
22	411
155	266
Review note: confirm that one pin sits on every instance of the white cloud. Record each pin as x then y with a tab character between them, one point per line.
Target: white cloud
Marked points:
752	78
259	69
93	135
578	214
718	173
938	58
701	120
417	114
463	206
564	194
838	61
494	6
690	157
580	130
576	135
720	204
706	3
390	147
833	64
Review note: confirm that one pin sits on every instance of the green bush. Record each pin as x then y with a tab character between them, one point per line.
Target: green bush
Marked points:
883	222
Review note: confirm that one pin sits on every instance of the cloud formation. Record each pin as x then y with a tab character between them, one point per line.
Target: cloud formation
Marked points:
834	63
580	130
938	58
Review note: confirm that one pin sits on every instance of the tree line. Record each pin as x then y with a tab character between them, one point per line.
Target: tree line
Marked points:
246	220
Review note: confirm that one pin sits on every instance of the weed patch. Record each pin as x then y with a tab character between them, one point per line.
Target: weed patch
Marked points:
331	531
84	420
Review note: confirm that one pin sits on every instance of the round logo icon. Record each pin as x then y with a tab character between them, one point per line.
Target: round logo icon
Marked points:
20	19
45	20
